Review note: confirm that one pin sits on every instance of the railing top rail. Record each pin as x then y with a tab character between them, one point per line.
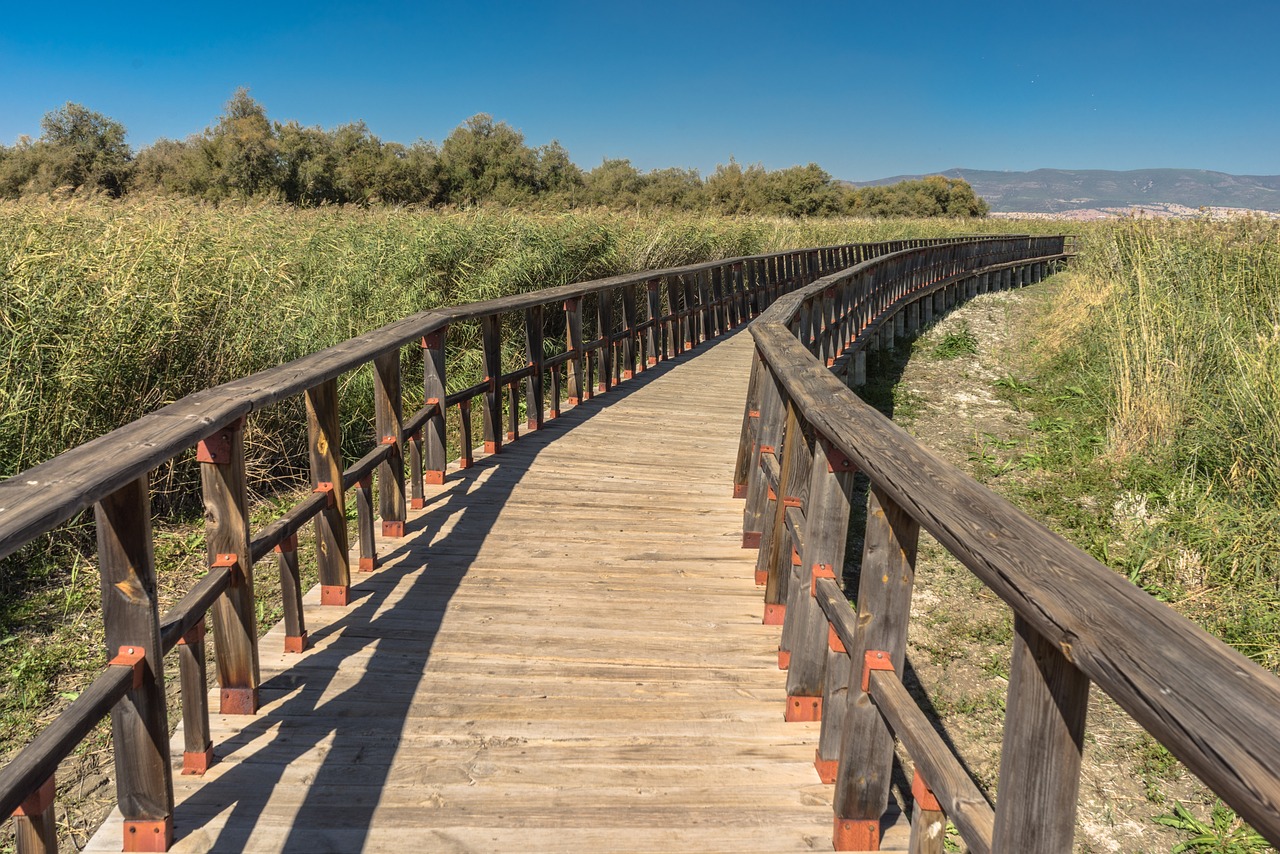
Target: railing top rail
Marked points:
48	494
1216	710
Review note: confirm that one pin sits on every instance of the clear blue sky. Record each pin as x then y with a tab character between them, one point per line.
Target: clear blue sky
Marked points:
865	89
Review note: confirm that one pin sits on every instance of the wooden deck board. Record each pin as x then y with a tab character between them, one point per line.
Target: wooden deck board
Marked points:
565	653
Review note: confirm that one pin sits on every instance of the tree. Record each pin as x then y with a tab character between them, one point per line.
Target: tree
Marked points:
615	184
82	148
242	150
483	160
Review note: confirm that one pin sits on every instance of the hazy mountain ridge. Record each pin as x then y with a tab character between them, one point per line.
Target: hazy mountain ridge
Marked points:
1056	190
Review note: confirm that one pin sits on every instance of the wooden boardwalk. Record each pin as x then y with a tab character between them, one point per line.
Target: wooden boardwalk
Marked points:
565	653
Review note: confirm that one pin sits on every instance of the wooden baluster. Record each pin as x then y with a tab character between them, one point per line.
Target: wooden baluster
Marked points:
1043	737
131	622
491	401
604	328
35	828
688	316
467	458
513	411
325	431
226	526
388	425
759	506
364	524
749	435
674	327
835	696
533	354
706	311
775	550
826	527
720	288
433	385
295	628
197	743
652	332
417	492
665	347
929	823
629	323
554	407
884	606
573	335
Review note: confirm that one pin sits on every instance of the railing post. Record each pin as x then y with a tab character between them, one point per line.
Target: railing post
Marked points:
197	743
653	332
226	526
433	385
688	328
750	428
1043	739
604	327
928	821
774	559
491	401
574	388
675	322
364	524
629	323
826	527
35	828
768	437
884	606
389	425
131	620
533	343
295	629
325	432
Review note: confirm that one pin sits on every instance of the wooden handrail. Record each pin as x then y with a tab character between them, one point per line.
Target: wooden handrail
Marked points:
1077	620
663	313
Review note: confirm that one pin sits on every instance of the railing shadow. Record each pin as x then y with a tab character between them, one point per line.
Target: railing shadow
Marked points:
336	720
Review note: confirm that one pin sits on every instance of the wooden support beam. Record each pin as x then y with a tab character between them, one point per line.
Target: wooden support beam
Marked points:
575	387
533	353
1043	739
884	607
491	400
629	324
226	525
388	427
433	388
604	330
324	430
197	744
652	336
131	623
364	524
295	629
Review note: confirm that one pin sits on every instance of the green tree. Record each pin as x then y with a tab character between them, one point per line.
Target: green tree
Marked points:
487	161
80	148
614	183
242	151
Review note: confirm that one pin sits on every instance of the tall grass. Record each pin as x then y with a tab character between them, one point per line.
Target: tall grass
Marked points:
1179	321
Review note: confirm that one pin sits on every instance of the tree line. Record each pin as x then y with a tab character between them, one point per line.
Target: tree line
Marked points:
246	155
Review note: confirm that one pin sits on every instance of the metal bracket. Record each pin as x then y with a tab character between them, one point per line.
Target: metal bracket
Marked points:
875	659
833	639
434	340
217	448
836	460
232	563
194	635
288	544
131	656
820	570
327	488
924	796
38	801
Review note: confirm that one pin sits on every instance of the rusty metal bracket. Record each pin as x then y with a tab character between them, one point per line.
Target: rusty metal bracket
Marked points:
131	656
38	801
327	488
195	635
875	659
836	460
924	796
434	340
232	563
820	570
288	544
216	449
833	639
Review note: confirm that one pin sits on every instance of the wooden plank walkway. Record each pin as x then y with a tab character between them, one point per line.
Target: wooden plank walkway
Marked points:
564	654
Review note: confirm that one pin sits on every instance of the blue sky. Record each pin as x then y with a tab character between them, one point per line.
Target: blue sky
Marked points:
866	90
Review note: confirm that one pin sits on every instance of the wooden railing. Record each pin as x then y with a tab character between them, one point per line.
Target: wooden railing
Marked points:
805	435
609	330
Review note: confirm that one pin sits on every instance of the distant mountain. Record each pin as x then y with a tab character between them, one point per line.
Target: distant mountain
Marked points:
1055	190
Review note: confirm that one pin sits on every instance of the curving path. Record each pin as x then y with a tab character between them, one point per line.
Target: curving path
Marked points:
565	653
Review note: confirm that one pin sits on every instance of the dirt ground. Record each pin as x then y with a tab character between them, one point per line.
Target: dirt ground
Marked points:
960	636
